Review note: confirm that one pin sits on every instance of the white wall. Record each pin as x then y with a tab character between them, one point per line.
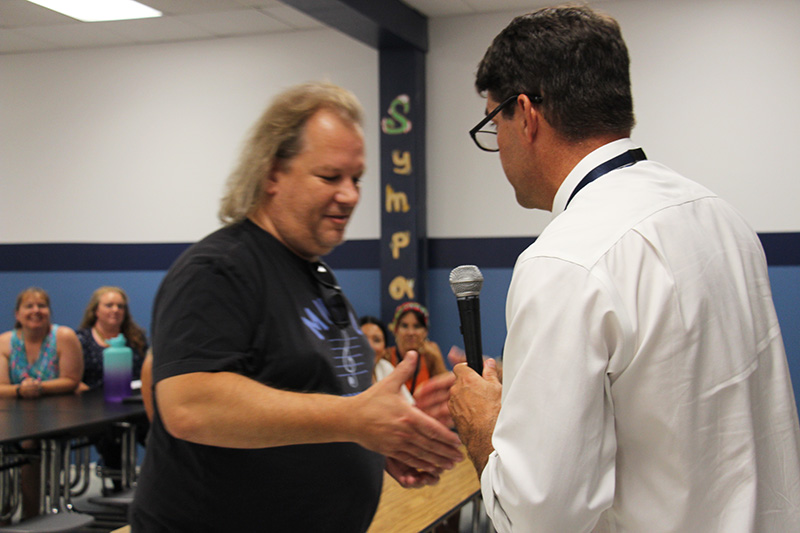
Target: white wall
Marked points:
132	144
715	88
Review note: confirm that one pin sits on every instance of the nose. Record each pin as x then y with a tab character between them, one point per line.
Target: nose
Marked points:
349	193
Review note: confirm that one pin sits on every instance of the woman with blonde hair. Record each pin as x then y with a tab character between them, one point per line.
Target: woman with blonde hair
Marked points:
37	358
107	315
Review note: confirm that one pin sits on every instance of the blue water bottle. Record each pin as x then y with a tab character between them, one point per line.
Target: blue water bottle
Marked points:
117	369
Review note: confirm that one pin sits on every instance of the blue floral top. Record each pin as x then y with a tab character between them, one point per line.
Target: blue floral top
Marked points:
46	365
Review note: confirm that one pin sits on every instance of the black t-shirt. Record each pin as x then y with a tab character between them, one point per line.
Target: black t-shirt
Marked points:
239	301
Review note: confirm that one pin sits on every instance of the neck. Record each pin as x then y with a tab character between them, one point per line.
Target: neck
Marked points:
562	156
262	219
35	335
106	333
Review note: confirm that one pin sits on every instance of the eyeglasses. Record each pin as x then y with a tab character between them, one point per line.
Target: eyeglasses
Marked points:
485	132
332	295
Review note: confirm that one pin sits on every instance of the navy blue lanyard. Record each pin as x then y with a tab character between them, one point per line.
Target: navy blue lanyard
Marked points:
623	160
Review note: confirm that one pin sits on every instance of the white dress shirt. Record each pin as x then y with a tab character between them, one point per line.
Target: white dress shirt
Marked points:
646	386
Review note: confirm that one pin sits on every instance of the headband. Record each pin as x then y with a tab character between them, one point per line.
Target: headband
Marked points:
405	308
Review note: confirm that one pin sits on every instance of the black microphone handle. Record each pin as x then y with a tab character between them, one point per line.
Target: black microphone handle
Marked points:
469	311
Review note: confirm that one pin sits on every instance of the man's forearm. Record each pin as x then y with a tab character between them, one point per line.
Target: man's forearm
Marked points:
232	411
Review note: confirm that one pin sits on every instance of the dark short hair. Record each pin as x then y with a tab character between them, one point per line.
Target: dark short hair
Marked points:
575	59
378	322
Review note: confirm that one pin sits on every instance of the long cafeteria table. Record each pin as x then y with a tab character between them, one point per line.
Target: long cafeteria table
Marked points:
53	421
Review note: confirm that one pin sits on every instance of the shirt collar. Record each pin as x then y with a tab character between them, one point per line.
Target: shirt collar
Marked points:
593	159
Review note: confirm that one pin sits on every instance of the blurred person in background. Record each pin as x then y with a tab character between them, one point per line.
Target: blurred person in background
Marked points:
37	358
410	327
106	316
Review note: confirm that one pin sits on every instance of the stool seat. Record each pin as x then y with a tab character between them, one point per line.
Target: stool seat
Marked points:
117	499
50	523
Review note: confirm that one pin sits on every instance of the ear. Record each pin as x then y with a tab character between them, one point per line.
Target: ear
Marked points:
530	117
270	181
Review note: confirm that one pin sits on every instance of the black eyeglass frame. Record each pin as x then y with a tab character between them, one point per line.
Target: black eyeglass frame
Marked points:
536	99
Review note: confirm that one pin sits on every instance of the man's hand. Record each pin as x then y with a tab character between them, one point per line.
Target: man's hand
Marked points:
408	477
388	424
432	397
456	356
474	406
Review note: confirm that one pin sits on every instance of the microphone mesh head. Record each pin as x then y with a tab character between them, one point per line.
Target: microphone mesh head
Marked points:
466	280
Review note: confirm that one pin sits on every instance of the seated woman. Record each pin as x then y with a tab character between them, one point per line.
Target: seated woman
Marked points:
410	328
106	316
37	358
376	333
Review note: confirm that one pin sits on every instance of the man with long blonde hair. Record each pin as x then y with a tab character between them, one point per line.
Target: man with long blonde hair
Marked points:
265	418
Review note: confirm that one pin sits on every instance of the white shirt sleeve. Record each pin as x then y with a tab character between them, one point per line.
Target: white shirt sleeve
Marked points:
553	467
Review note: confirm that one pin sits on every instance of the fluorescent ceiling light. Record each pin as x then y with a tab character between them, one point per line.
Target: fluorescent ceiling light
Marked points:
99	10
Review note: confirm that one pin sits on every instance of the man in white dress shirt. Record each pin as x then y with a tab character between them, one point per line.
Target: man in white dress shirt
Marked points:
646	386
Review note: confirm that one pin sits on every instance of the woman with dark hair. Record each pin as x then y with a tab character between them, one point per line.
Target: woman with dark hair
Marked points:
377	334
410	328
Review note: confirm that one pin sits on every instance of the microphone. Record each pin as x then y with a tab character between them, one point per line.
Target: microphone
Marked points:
466	282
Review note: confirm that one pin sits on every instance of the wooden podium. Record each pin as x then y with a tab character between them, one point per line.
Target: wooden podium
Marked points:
413	510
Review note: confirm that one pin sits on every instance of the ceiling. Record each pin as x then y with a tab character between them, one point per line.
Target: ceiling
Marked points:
27	27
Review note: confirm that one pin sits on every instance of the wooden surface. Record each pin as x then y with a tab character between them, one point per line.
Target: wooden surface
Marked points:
414	510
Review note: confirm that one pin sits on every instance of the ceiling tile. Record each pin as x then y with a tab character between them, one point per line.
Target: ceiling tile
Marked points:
154	30
292	17
241	22
74	35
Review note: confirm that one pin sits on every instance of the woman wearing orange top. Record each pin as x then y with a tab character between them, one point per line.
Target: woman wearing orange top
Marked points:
410	328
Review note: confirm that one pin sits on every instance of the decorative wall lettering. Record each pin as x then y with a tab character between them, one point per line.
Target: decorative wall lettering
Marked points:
402	162
402	288
400	239
397	123
396	202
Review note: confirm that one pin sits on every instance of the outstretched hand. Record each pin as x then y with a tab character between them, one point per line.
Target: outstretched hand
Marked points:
474	405
409	477
432	397
456	356
389	425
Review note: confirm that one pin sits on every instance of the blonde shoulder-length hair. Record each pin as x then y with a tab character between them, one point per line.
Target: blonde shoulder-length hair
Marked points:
133	333
277	137
24	294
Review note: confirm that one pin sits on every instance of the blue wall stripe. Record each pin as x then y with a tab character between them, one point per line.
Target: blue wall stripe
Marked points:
782	249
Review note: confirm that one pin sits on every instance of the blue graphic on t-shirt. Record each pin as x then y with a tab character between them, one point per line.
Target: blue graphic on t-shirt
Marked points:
349	362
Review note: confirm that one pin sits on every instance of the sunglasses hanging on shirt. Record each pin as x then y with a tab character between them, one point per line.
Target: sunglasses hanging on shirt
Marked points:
332	295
